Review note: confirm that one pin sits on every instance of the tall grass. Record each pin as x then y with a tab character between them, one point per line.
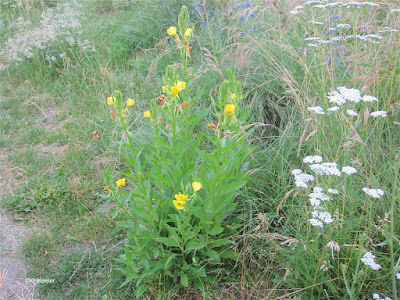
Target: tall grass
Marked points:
288	59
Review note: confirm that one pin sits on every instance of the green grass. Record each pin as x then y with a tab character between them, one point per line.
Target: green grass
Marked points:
47	114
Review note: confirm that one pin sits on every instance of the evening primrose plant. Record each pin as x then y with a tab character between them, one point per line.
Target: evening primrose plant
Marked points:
178	199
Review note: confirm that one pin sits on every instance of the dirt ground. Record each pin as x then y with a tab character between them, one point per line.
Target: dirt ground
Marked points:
12	266
12	235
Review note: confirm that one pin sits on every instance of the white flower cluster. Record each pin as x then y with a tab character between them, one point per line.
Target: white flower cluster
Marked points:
343	95
379	113
333	191
372	38
312	159
316	109
343	25
387	29
347	4
349	170
378	297
374	193
369	260
326	169
301	179
398	276
58	25
319	217
352	113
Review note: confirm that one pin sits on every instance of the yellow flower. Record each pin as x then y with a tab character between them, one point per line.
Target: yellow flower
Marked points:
178	205
229	109
172	31
111	100
181	198
121	182
196	186
147	114
130	102
188	32
181	85
175	90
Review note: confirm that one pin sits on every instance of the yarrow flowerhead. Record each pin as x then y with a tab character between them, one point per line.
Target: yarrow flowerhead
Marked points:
349	170
352	113
369	260
121	182
310	159
374	193
229	109
379	113
316	110
326	169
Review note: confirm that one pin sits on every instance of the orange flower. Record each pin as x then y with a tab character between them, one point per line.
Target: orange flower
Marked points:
184	103
107	189
190	48
186	43
212	126
113	113
160	99
160	118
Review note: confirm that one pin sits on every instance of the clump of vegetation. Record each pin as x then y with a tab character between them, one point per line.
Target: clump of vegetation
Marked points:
250	152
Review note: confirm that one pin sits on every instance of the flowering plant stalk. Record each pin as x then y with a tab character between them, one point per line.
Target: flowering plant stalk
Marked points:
177	200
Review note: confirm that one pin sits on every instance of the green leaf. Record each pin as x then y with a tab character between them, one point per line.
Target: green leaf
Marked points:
200	285
170	242
229	254
184	280
220	243
168	261
216	230
194	245
126	224
141	290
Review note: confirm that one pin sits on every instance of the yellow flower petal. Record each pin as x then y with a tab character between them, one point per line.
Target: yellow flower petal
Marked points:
111	100
130	102
147	114
180	197
178	205
175	90
229	109
188	32
121	182
172	31
181	85
196	186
